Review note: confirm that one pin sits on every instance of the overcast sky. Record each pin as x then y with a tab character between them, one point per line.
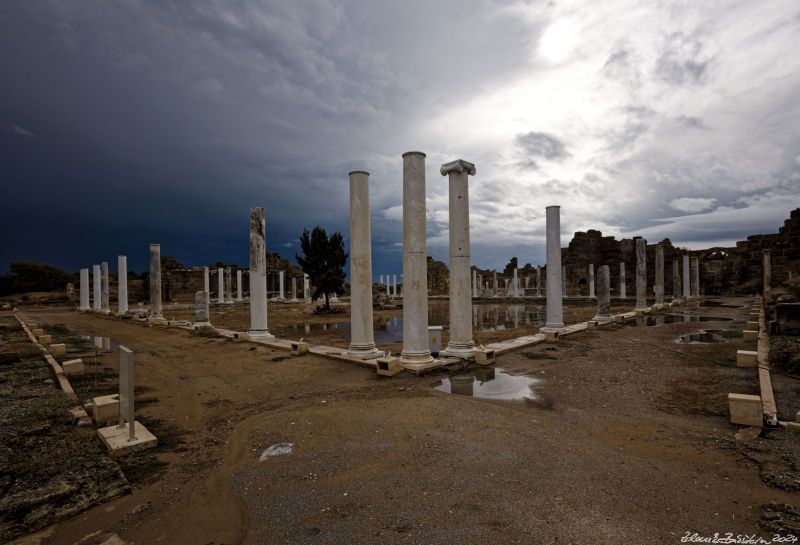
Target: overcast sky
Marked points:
128	122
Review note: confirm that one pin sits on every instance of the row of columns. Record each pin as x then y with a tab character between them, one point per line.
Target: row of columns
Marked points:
101	287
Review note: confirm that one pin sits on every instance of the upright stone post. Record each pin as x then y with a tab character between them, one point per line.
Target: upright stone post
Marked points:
676	281
538	280
474	283
622	291
416	352
555	310
220	286
155	282
201	309
394	285
686	293
641	273
258	275
766	265
122	284
591	280
603	295
96	285
693	272
104	298
306	286
461	343
281	292
494	283
228	286
516	283
206	285
362	339
505	287
294	289
238	284
84	289
659	288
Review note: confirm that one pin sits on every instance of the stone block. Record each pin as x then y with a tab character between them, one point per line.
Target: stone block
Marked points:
172	323
484	356
619	318
58	349
749	335
745	410
45	339
592	324
239	336
389	367
117	439
746	358
73	367
299	347
37	332
551	336
104	409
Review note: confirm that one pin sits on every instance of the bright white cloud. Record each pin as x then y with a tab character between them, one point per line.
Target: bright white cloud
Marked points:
692	204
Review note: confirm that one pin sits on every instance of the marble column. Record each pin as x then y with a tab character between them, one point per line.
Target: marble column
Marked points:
555	310
294	289
416	351
394	285
461	343
206	286
362	339
228	285
480	285
693	277
258	275
104	297
494	283
505	287
84	289
516	283
474	283
603	295
766	265
538	280
676	281
155	281
238	284
591	280
122	284
220	286
641	273
685	267
659	288
281	276
622	285
201	309
96	285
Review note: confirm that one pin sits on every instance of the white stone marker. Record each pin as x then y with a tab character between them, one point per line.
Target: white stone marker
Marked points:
591	280
206	286
603	295
84	289
362	340
258	275
694	287
461	343
766	265
96	297
416	351
659	287
686	294
122	284
676	281
201	302
220	286
104	298
555	310
281	276
641	273
238	284
155	281
538	280
622	286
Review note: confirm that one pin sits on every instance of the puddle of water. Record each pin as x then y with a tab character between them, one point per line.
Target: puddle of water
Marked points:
490	383
707	336
650	321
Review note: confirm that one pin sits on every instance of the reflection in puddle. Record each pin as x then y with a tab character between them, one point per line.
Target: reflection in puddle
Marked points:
490	383
705	337
102	344
662	319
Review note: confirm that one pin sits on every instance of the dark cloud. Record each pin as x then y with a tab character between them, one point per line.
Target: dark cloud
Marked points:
691	122
682	60
538	145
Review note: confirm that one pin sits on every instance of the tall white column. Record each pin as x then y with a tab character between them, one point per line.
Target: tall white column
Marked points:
294	289
238	284
104	297
766	266
362	339
206	286
155	281
258	275
516	283
494	283
220	286
641	274
622	285
281	277
84	289
416	352
693	278
659	289
461	343
676	281
96	285
591	280
555	310
122	284
228	287
394	285
685	267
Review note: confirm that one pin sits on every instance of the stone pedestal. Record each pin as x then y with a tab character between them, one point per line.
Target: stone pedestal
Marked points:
155	281
641	274
238	284
362	340
659	287
201	309
258	275
416	352
84	290
96	297
622	286
603	295
104	297
591	280
122	284
686	294
766	264
461	343
676	281
694	290
555	310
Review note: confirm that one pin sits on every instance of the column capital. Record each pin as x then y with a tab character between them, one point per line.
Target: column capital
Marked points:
459	165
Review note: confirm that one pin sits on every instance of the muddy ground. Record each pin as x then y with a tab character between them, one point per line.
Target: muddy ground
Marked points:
626	441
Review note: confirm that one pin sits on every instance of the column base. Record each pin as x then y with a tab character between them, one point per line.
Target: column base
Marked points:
417	361
364	352
260	335
603	318
459	350
558	328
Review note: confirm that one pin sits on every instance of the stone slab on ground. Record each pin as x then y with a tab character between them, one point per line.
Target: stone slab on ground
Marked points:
745	409
116	438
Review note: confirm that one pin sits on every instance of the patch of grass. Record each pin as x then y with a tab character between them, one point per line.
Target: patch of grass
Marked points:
538	356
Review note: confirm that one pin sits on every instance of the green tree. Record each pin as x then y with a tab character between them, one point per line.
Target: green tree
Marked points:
26	276
323	261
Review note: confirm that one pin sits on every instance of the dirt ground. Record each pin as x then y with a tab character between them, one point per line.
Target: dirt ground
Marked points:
627	441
